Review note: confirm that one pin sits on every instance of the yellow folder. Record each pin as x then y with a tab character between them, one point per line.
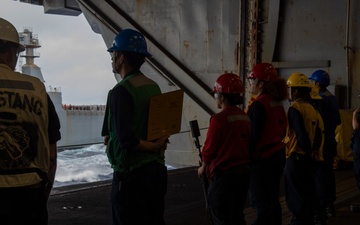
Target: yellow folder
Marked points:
165	114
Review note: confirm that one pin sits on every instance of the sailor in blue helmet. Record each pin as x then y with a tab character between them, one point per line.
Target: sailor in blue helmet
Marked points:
140	175
325	177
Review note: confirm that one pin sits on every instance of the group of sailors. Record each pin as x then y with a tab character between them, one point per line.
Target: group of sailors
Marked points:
298	144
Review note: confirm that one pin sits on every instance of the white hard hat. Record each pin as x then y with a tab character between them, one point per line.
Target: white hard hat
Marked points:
9	33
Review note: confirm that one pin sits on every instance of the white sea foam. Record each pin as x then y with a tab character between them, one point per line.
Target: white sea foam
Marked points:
88	164
84	165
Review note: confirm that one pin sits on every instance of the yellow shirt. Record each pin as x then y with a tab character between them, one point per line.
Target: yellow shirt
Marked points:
24	146
312	122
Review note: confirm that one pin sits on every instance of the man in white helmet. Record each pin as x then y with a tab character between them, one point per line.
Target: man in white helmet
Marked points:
29	130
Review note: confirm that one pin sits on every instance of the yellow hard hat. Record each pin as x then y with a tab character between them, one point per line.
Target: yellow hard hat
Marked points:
298	80
9	33
314	92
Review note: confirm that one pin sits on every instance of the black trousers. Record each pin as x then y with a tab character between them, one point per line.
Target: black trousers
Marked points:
20	206
137	197
300	193
325	177
227	195
265	189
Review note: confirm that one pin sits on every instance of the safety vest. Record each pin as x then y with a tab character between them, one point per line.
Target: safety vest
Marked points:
141	89
274	130
24	145
312	121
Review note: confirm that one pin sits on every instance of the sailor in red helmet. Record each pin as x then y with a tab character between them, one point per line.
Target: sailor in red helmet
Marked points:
225	154
267	151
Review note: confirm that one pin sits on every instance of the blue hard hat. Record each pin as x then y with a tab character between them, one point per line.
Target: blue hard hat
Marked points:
130	40
321	76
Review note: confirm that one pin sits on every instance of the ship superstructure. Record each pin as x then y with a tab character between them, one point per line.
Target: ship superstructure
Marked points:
80	124
193	42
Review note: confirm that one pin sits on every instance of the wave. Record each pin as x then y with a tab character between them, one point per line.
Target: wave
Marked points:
84	165
88	164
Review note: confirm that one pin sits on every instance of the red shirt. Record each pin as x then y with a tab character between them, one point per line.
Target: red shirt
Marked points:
227	140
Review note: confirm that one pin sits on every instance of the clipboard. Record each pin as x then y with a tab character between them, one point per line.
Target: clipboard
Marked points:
165	112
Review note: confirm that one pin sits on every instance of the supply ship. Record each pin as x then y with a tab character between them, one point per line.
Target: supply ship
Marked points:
80	124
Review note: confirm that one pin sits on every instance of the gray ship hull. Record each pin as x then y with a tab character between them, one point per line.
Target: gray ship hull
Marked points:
80	125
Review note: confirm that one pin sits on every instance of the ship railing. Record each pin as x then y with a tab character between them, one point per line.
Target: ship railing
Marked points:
84	107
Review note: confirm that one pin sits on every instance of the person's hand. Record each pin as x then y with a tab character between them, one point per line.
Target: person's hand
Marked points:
201	171
357	110
106	139
47	190
315	155
162	142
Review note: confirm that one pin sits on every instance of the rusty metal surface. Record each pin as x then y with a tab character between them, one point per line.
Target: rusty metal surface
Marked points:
193	42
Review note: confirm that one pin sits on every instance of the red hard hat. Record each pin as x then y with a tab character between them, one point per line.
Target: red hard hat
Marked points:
263	71
229	83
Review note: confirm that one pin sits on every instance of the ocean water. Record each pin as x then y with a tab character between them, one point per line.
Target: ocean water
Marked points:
84	165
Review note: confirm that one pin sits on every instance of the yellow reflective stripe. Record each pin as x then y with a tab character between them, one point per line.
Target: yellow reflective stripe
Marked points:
141	80
238	117
275	103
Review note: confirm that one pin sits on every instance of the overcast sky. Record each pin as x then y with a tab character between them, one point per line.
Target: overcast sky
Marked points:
72	56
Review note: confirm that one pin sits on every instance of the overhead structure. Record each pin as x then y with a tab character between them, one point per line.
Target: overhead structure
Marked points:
193	42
